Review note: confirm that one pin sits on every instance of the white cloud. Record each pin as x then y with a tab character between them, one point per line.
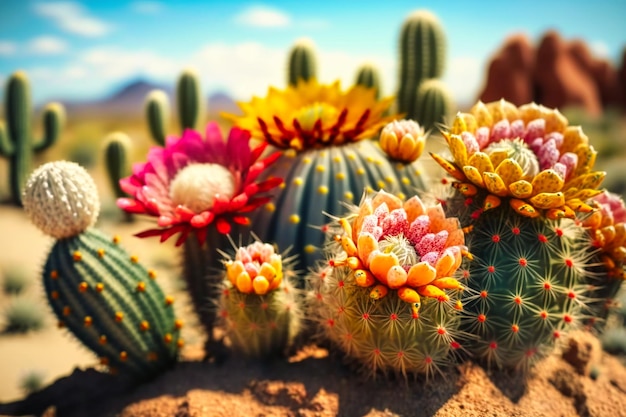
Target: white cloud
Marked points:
114	64
72	17
47	45
464	77
147	7
600	49
263	16
7	47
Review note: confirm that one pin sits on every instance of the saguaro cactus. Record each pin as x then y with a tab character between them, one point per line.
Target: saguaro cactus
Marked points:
302	62
422	56
16	139
189	102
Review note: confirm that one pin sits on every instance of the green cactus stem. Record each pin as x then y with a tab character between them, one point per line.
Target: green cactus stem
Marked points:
321	181
259	306
525	285
302	63
434	104
116	160
422	56
369	76
16	138
102	294
189	102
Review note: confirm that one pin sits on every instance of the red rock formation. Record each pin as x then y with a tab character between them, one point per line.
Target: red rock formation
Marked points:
560	80
603	74
556	74
510	72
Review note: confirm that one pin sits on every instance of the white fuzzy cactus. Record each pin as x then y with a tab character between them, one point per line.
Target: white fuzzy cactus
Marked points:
61	199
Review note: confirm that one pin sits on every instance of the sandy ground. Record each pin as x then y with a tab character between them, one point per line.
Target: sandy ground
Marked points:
312	383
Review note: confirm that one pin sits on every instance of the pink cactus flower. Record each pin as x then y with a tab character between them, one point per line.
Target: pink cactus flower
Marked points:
194	182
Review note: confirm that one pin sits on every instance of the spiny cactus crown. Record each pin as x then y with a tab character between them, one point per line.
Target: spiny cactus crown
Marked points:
61	199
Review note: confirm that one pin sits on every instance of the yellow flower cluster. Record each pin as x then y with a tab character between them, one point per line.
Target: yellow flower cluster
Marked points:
494	149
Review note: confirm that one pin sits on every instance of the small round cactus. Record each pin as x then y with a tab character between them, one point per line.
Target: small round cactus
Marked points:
389	296
259	305
61	199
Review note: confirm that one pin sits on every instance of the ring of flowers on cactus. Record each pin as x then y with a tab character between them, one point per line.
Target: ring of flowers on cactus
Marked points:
403	246
312	115
527	155
194	182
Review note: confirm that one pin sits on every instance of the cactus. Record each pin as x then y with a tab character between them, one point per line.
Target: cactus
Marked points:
302	63
422	56
526	286
259	306
190	105
16	139
389	297
434	104
329	157
116	160
369	76
607	249
103	295
521	175
206	188
23	315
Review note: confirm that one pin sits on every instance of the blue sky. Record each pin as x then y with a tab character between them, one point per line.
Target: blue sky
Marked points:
86	49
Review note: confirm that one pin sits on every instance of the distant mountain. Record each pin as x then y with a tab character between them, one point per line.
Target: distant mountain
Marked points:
128	101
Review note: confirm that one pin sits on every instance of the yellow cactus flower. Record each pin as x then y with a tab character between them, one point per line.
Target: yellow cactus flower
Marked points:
403	140
528	155
312	115
607	226
256	269
404	246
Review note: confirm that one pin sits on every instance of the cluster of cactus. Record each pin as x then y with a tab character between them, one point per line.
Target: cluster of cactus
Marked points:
189	102
102	294
16	138
421	96
260	308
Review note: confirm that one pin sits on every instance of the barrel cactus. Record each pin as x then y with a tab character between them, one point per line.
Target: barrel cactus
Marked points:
520	177
260	307
607	229
98	291
389	296
329	156
434	104
201	189
17	143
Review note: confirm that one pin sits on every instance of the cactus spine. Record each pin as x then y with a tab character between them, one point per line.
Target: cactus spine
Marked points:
16	139
422	56
369	76
434	104
525	285
103	295
259	305
302	63
189	102
388	298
